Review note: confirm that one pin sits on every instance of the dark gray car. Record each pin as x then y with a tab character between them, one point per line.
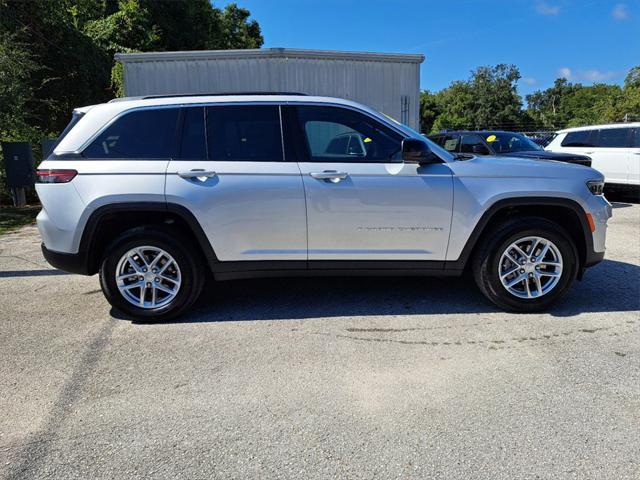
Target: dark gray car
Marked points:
498	143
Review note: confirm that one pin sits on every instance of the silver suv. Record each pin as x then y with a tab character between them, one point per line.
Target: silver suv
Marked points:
150	191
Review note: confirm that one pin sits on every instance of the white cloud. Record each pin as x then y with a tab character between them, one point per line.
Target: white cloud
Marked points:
597	75
591	76
620	12
543	8
565	72
529	80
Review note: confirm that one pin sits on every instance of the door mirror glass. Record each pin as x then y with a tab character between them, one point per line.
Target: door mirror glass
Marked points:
417	151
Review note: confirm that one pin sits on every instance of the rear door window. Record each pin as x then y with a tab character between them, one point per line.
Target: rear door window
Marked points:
613	138
244	133
636	137
145	134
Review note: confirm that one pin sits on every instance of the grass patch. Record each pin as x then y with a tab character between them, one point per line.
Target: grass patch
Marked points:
12	218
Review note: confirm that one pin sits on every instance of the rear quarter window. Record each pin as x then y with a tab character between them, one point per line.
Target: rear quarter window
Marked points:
147	134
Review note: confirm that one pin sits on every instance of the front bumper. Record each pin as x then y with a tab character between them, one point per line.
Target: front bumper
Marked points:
68	262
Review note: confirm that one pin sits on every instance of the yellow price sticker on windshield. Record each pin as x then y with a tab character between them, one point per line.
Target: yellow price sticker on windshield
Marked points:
491	138
367	140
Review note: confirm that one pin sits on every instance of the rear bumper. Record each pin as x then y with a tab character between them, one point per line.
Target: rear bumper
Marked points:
68	262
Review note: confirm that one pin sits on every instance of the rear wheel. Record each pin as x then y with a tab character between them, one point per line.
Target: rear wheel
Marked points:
526	265
151	274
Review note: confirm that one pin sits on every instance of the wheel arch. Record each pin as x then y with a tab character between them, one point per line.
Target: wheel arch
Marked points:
109	221
567	211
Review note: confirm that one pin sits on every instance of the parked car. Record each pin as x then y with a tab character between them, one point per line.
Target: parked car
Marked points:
614	150
148	192
498	144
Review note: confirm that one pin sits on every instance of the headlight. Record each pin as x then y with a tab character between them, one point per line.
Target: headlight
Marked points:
596	186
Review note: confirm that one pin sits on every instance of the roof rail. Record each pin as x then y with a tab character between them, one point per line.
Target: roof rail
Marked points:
219	94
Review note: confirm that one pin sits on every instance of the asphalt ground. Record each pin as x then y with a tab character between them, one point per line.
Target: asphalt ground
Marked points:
321	378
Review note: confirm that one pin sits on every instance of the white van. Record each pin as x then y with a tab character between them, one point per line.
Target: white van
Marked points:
614	150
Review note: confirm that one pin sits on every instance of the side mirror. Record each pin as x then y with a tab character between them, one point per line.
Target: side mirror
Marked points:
417	151
480	149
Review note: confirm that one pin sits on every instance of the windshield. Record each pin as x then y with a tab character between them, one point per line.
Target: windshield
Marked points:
511	142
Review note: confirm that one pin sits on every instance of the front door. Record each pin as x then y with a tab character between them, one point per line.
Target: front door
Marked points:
232	176
363	202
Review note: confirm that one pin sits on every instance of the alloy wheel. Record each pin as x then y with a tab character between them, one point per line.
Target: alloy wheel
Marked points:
148	277
530	267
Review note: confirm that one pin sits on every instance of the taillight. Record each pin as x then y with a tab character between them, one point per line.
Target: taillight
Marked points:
55	175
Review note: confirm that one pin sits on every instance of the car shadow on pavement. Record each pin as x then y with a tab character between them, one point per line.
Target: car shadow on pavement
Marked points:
31	273
608	287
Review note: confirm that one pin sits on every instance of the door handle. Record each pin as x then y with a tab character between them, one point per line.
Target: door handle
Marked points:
589	153
198	173
636	153
331	175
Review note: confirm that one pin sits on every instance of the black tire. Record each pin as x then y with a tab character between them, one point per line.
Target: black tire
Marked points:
182	251
495	242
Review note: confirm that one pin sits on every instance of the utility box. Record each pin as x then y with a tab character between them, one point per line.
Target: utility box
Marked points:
388	82
18	164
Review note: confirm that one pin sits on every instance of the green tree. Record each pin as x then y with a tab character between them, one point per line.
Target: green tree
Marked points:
235	30
72	71
489	99
632	80
130	29
16	68
429	110
547	107
495	102
453	104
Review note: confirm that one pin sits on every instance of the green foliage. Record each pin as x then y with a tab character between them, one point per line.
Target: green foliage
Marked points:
130	29
570	105
632	80
197	25
72	69
489	99
16	68
234	29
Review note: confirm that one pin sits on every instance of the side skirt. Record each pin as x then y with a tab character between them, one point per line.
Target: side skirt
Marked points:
331	268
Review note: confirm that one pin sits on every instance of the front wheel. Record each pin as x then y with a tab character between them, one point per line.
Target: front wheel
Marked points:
526	265
151	274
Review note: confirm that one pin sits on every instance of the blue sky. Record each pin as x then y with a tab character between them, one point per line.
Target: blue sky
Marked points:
585	41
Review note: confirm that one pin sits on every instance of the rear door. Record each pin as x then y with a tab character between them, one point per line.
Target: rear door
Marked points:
231	174
364	203
608	148
613	154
